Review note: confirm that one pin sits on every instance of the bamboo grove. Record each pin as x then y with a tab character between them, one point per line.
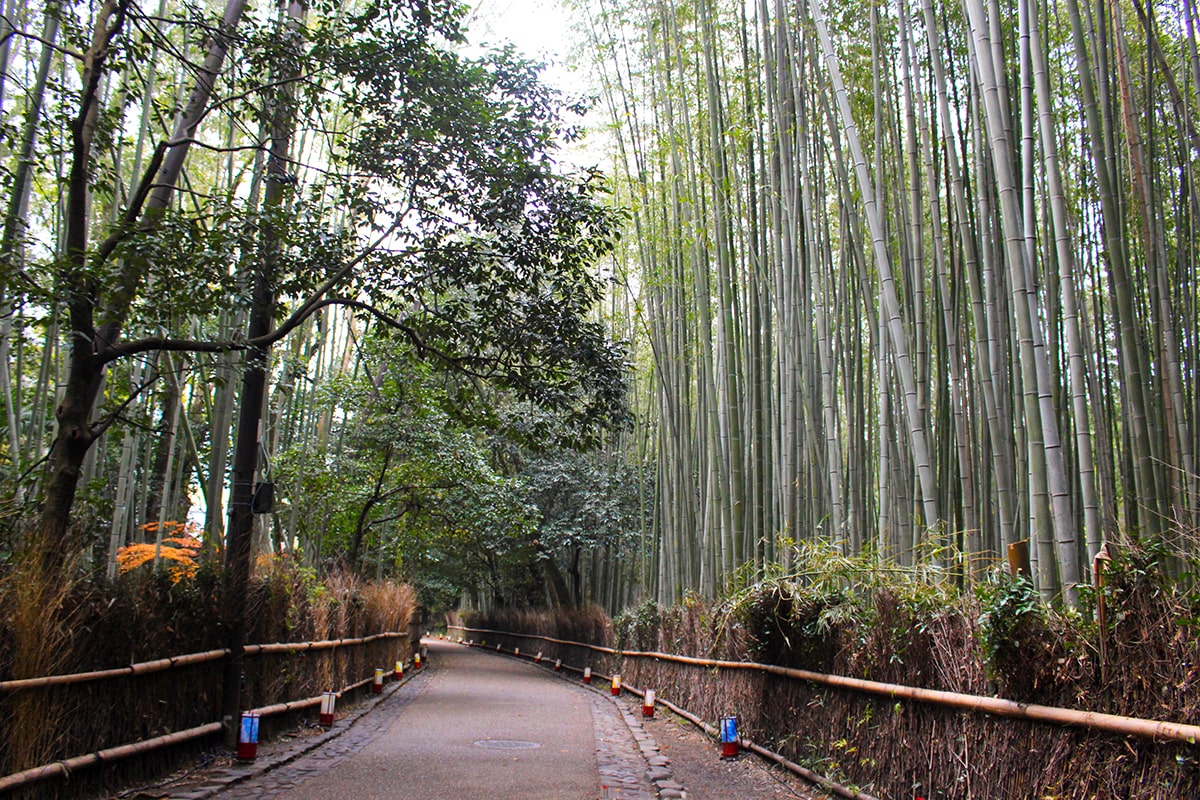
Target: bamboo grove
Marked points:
914	278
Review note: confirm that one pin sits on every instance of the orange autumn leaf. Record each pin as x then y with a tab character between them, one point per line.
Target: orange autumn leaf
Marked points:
179	550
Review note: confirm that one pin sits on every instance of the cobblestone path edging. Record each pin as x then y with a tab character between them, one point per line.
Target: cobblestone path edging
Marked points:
622	766
629	768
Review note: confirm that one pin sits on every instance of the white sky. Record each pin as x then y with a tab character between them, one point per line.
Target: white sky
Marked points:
540	29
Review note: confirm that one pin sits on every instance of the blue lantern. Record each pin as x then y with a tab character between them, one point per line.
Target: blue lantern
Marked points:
730	741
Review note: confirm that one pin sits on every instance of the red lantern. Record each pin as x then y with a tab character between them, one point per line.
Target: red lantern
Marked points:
648	703
328	701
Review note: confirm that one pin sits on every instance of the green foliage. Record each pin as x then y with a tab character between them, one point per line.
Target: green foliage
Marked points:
488	268
583	500
461	491
637	628
1012	609
411	487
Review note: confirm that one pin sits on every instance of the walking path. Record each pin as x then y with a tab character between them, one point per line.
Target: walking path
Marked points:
478	725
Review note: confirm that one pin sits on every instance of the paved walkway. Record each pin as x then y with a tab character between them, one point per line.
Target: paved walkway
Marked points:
473	725
476	725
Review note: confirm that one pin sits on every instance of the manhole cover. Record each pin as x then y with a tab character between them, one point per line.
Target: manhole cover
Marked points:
506	744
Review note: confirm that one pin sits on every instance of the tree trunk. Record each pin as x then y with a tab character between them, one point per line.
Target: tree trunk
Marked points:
85	373
249	429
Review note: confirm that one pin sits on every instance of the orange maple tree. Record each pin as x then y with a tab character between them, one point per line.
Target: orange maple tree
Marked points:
179	547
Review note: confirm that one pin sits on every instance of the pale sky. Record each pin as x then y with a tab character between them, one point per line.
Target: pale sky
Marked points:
539	28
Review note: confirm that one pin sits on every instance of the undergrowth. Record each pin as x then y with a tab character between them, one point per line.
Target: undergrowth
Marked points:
927	626
146	614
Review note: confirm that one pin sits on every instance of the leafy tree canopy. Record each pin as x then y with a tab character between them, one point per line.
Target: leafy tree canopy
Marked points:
423	190
456	500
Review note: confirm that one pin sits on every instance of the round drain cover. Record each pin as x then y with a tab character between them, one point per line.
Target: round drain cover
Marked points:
506	744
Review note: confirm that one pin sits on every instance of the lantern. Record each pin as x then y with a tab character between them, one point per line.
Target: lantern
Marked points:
377	684
328	701
587	674
730	743
648	703
616	685
247	749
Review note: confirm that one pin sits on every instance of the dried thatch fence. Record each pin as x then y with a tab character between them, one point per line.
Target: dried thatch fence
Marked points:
182	691
845	716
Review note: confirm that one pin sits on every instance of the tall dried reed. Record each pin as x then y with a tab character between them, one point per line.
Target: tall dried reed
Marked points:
39	629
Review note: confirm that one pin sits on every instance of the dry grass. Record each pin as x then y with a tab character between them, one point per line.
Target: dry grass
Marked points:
39	628
388	606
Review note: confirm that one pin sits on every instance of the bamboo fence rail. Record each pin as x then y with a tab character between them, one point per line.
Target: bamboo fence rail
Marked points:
1157	730
158	665
65	767
143	668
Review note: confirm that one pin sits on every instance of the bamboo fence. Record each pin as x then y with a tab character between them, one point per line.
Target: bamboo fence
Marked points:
65	767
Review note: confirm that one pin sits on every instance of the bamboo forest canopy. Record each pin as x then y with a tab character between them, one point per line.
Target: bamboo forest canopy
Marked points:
918	279
327	223
912	280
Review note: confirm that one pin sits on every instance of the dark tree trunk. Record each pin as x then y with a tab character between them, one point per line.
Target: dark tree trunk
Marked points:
254	382
84	370
556	587
53	541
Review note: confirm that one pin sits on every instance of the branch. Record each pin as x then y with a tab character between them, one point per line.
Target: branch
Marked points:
148	344
390	517
134	210
13	30
105	422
